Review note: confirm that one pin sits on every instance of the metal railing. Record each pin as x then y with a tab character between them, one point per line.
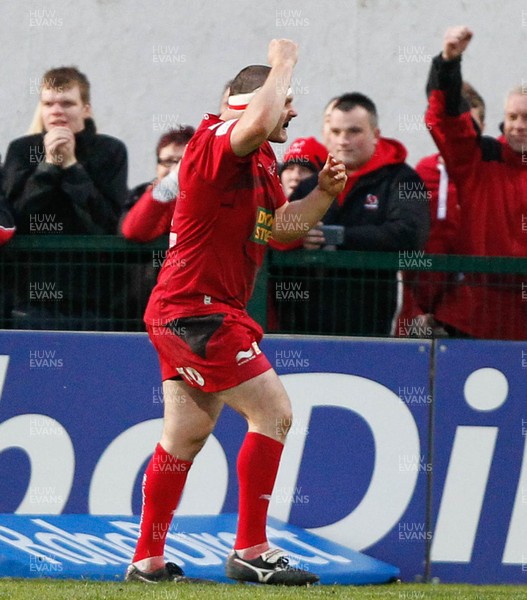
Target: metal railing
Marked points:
358	293
102	283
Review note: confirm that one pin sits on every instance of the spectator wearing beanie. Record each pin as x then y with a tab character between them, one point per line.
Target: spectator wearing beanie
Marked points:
304	157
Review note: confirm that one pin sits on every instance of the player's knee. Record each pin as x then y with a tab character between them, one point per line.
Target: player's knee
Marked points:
199	440
186	450
185	443
283	423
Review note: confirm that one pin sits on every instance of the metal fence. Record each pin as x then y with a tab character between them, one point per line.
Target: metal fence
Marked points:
380	293
82	283
102	283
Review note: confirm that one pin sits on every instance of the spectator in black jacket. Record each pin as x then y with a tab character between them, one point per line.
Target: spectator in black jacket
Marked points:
384	207
68	176
69	180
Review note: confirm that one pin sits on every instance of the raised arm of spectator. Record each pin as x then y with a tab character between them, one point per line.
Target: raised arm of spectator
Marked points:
448	115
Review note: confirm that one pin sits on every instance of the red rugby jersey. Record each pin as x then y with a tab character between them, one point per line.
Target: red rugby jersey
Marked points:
221	226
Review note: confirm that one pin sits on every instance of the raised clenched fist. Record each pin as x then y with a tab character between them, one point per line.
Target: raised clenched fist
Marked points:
281	51
455	42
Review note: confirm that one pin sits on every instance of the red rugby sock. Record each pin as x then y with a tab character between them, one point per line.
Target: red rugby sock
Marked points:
163	484
258	462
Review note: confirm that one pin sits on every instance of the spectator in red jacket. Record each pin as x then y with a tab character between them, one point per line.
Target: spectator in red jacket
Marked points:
7	230
148	214
7	222
424	292
150	206
491	179
7	227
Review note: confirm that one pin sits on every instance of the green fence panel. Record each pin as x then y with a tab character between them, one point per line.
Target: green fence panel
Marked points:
102	283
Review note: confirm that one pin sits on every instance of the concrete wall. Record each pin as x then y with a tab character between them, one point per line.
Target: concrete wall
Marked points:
155	64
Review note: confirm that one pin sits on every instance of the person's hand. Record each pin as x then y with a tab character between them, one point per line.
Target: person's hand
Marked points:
282	51
456	41
332	178
424	325
433	326
168	188
59	144
314	238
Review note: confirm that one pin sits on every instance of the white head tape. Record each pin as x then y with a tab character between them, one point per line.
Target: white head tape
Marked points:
241	101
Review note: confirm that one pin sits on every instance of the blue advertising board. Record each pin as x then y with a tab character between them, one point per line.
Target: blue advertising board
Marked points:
80	414
364	466
480	462
90	547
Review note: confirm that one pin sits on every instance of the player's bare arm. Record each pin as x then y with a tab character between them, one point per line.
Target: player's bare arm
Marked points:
266	109
306	213
456	41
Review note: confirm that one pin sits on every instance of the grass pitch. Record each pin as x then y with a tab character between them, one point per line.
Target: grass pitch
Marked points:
42	589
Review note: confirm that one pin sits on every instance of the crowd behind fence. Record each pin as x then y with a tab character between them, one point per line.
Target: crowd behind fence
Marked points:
102	283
